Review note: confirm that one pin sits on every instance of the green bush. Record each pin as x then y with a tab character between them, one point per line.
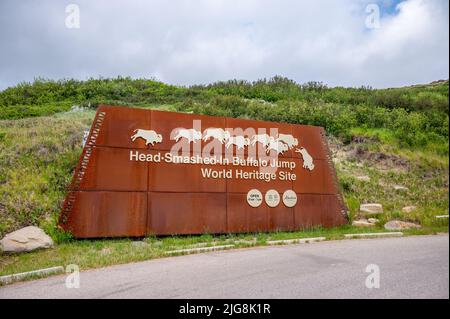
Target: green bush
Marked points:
14	112
416	116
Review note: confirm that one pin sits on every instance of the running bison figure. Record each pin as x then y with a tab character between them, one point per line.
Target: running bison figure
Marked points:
288	139
307	159
277	146
281	144
150	136
264	139
192	135
239	141
219	134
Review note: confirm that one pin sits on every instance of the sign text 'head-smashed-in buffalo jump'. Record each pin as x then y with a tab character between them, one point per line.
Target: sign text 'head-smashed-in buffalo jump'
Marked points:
145	172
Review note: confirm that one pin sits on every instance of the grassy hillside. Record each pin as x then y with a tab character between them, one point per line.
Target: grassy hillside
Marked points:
381	138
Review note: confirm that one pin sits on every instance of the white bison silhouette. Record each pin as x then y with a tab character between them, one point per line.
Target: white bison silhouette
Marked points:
264	139
277	146
191	135
288	139
150	136
307	159
239	141
219	134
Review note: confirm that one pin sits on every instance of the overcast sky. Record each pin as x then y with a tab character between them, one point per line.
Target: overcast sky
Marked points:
338	42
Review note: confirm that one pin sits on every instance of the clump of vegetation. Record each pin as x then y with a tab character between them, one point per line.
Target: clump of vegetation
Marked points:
37	158
416	116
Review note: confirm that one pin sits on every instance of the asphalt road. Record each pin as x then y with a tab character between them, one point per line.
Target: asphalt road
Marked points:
410	267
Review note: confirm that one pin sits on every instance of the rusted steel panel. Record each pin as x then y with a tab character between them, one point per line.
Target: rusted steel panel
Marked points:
308	211
167	177
83	162
186	213
310	182
165	123
318	210
330	205
110	169
316	181
119	188
239	185
311	139
281	218
251	127
108	214
242	218
119	125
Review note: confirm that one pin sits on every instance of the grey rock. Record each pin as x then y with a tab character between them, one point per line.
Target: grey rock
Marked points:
373	220
409	209
400	188
25	239
363	178
371	209
362	223
399	225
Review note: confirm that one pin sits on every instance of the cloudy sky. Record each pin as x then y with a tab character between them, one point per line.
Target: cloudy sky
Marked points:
183	42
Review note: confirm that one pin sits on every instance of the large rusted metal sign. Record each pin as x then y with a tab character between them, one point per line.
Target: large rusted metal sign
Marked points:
147	172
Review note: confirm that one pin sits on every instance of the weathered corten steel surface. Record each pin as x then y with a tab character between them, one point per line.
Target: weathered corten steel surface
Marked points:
122	187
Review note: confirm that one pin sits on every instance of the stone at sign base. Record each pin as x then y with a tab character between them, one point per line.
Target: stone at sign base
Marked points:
371	209
362	223
398	225
25	239
408	209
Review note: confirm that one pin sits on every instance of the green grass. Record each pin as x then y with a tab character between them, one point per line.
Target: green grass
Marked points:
37	157
22	111
384	140
88	254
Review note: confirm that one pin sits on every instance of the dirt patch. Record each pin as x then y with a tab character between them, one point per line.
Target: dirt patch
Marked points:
357	152
384	161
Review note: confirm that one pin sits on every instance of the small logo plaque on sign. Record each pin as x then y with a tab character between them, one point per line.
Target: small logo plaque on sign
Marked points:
289	198
272	198
254	198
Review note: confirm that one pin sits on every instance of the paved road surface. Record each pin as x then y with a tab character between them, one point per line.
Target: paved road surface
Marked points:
410	267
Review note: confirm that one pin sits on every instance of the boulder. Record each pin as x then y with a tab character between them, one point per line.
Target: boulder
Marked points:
408	209
399	225
373	220
362	223
371	209
25	239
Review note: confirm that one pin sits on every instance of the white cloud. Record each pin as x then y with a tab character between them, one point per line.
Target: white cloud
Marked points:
188	42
